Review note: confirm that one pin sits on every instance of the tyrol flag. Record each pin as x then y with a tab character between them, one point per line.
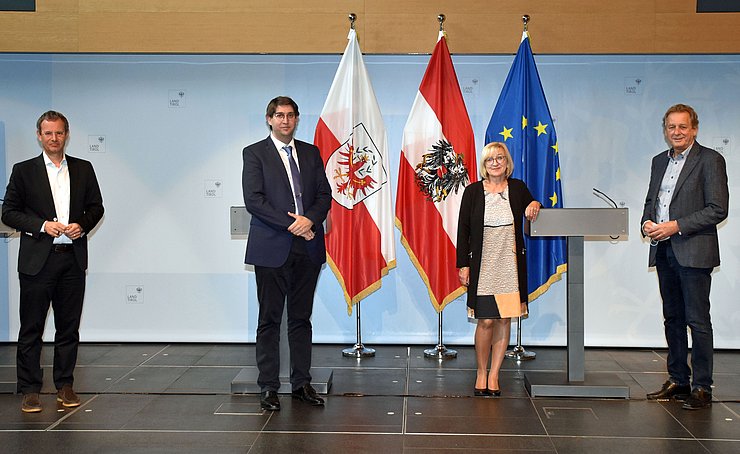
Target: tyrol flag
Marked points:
437	162
360	246
522	121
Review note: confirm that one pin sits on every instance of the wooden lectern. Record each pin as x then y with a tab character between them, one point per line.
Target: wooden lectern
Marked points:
575	224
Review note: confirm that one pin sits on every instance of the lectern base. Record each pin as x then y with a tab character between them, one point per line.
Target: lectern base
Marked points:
556	384
245	381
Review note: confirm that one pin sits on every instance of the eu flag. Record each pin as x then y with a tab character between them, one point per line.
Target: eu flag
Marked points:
522	121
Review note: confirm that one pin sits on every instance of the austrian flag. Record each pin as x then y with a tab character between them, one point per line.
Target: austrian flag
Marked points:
437	162
351	135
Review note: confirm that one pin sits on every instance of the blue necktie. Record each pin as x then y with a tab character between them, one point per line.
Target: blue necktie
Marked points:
296	175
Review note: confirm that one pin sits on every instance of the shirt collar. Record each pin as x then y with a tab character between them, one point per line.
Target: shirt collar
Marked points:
279	145
48	162
683	155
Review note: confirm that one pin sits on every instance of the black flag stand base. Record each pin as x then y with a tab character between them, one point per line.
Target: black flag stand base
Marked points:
358	350
518	353
440	352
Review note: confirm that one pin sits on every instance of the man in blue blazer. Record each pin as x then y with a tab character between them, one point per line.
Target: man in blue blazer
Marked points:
686	199
288	195
54	201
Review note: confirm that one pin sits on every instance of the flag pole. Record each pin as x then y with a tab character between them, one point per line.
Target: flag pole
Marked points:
440	351
358	350
518	353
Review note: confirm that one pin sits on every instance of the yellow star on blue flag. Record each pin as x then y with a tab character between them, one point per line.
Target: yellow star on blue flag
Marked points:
506	133
540	128
522	99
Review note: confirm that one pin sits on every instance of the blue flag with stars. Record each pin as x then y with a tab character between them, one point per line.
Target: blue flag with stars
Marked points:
522	121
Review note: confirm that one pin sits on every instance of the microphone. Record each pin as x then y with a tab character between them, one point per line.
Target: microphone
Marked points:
604	197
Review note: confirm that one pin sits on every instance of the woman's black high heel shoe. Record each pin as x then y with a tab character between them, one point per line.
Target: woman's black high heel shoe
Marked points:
494	392
481	392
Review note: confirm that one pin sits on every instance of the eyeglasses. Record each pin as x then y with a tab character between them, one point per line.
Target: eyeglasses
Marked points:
283	116
497	159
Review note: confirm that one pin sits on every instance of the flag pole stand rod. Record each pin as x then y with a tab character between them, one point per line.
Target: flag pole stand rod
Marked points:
518	353
440	352
358	350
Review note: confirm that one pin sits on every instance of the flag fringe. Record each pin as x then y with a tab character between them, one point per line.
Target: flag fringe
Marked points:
562	268
447	299
364	293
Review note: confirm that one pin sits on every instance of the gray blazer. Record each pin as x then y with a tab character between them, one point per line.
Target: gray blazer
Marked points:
700	202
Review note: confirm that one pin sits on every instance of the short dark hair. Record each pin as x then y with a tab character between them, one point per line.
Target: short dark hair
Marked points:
52	115
281	101
682	108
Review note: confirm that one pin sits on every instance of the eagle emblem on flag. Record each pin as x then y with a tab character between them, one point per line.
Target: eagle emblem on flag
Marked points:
441	172
357	168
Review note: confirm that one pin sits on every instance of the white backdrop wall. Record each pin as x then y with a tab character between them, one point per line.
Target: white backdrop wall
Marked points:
163	234
4	315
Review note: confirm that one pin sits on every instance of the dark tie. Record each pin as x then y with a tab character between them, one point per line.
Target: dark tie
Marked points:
296	175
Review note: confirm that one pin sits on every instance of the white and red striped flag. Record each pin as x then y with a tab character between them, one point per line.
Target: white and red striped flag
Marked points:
351	135
438	159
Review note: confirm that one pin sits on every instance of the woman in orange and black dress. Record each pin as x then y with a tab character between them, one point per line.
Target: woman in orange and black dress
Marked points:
491	258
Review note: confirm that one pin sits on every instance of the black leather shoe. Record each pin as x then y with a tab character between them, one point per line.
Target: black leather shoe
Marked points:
699	398
494	392
307	394
481	392
269	401
670	390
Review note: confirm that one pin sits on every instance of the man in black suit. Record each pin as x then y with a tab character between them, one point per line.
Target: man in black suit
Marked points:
288	195
686	199
54	201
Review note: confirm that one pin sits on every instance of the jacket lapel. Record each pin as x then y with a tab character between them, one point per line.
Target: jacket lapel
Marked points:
691	161
273	156
44	187
304	166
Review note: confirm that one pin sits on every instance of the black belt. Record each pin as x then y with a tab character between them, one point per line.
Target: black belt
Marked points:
62	248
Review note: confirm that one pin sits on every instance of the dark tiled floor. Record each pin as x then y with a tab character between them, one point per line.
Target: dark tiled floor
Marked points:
176	398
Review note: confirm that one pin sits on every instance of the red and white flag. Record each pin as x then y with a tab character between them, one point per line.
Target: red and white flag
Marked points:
351	135
438	160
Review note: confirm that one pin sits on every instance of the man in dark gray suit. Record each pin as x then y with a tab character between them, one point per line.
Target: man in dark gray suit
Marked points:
686	199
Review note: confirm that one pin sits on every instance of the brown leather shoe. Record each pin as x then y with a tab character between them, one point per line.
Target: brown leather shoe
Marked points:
670	390
31	403
67	396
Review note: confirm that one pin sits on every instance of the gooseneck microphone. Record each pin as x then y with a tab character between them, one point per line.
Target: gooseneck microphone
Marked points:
605	197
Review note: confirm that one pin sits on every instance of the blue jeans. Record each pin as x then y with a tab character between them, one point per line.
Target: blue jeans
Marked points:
685	293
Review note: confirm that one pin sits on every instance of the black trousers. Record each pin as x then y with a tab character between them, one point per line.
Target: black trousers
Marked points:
295	283
60	283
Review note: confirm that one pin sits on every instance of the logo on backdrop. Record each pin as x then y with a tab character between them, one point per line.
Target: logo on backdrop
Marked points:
441	172
356	169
